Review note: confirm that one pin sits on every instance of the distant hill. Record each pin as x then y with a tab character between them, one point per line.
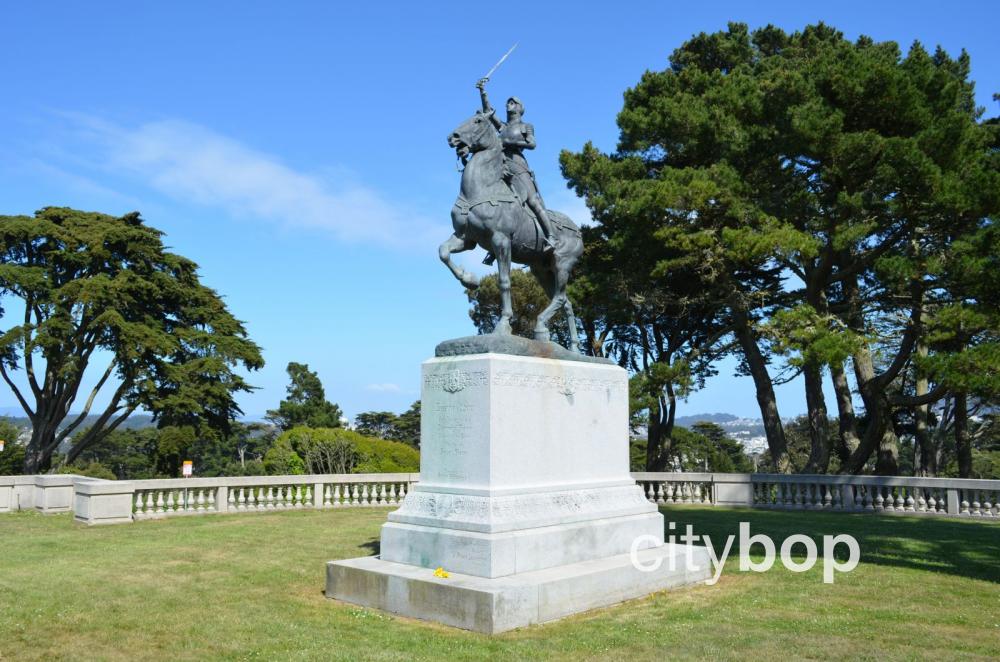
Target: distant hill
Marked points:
748	431
134	422
688	421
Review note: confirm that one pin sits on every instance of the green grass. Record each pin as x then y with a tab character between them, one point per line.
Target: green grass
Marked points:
251	587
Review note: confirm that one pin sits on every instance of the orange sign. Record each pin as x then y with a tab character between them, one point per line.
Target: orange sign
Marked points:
187	468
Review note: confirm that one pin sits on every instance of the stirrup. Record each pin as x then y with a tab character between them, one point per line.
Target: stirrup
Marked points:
489	259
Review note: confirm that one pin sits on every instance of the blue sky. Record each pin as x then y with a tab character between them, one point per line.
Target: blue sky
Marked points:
287	146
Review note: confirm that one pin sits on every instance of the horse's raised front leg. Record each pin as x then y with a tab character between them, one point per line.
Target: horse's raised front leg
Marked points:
501	248
456	244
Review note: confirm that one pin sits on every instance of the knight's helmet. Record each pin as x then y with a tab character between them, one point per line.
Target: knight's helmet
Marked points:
518	102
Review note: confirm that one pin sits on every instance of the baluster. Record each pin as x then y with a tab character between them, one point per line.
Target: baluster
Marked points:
931	501
879	501
354	494
685	492
975	503
366	499
987	505
308	496
210	504
695	493
827	496
201	500
268	498
900	502
170	501
964	510
241	500
138	503
403	490
231	501
392	494
909	502
649	490
921	500
889	504
381	494
331	494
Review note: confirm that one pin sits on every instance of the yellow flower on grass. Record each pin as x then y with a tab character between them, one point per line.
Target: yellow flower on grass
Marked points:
441	572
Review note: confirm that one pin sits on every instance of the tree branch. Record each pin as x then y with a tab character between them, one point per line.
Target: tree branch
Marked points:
931	396
86	410
20	398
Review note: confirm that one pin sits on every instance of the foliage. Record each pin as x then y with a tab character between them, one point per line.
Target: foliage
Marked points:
381	424
281	459
92	469
12	456
527	298
386	425
704	447
306	403
821	200
337	450
383	456
92	284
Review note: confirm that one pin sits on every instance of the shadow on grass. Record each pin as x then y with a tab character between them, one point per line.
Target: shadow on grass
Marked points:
374	546
961	547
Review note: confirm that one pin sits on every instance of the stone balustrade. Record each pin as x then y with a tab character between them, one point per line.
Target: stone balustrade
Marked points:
47	493
96	501
100	502
883	494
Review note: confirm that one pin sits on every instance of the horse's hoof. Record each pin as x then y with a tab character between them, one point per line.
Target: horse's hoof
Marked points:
502	328
471	283
542	335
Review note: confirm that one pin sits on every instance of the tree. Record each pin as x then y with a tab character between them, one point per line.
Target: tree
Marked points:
815	186
408	426
91	285
306	403
12	455
379	424
528	299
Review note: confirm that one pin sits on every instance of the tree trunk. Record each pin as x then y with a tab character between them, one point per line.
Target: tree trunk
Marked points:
963	446
819	453
923	453
38	454
878	433
765	392
659	434
849	439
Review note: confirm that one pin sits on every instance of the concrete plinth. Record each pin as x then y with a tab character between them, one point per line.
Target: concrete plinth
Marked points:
524	496
499	604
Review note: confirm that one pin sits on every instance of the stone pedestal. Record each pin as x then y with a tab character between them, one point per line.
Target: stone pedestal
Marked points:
524	496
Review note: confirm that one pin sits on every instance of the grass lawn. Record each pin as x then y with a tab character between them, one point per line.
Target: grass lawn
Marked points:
251	587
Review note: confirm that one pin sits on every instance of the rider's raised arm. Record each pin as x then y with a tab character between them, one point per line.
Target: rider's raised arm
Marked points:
487	108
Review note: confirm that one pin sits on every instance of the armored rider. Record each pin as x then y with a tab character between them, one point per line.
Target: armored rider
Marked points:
518	136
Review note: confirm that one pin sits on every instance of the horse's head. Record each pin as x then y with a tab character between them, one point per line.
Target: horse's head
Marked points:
473	135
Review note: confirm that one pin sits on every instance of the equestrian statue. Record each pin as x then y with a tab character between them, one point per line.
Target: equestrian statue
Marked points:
499	208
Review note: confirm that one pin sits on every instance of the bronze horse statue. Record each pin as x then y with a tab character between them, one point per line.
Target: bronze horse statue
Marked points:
489	214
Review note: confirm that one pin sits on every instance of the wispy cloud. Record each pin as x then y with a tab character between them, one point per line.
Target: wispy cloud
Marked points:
192	163
384	388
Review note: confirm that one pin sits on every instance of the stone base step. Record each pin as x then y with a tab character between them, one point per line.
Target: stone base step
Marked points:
496	605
